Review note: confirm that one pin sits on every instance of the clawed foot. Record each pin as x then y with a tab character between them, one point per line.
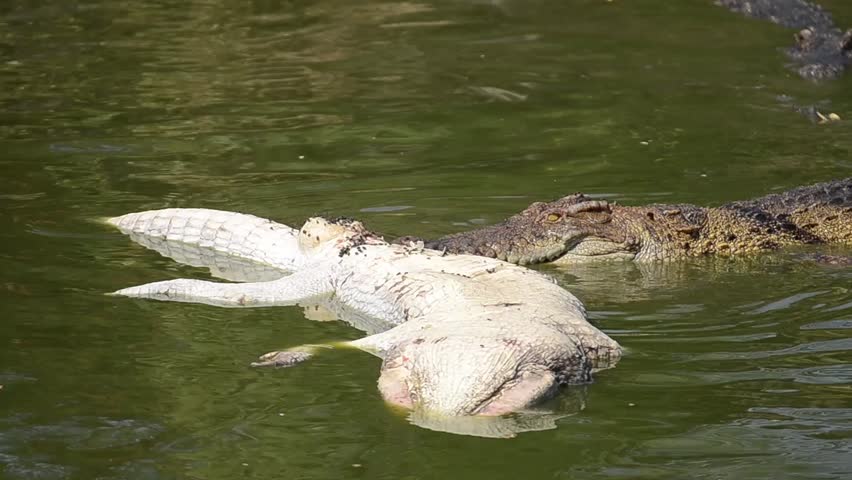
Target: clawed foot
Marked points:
282	359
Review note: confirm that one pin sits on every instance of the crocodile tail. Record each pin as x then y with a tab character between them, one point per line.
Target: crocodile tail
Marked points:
232	234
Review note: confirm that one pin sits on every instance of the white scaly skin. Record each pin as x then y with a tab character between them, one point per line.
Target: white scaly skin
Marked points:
238	235
470	336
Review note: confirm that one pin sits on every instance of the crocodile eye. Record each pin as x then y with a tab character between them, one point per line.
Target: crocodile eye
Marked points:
553	217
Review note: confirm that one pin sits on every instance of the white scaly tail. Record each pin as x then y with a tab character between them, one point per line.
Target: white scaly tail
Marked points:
238	235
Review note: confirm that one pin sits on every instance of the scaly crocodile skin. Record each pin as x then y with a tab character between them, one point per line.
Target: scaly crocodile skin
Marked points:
236	234
465	340
579	228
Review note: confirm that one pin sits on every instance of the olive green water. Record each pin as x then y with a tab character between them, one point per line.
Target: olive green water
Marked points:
419	118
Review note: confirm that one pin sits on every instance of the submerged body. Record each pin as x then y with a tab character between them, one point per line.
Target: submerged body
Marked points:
577	228
469	335
821	50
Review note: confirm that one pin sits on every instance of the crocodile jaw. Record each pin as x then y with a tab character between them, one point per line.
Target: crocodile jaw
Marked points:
573	258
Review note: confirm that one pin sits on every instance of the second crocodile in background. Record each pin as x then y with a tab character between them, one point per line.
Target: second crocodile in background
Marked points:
821	50
577	228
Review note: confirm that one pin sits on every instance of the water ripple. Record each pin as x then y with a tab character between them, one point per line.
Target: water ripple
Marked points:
822	375
786	302
840	344
841	323
839	307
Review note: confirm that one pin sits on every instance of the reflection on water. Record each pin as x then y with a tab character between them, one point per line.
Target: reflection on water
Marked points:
569	402
463	112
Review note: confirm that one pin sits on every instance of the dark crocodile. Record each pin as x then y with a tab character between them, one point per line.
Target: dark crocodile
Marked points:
821	50
578	227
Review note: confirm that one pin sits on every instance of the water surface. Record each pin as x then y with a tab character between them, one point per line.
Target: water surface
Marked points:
419	118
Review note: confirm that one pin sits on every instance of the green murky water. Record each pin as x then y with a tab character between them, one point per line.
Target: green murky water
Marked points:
419	118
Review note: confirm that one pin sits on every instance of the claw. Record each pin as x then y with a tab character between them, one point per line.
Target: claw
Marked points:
282	359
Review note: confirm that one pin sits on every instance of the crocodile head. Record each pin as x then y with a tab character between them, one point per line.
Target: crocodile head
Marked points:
572	228
823	54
